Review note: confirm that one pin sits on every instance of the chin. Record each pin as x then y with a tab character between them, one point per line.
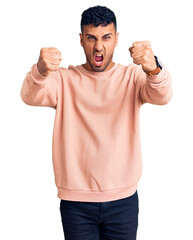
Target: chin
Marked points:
99	68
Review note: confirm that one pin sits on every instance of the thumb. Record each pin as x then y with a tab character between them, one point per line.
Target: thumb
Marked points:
130	49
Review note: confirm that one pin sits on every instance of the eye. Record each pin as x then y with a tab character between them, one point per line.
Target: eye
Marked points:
90	37
107	37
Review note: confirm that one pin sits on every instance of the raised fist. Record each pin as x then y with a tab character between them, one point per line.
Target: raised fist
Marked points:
142	53
49	60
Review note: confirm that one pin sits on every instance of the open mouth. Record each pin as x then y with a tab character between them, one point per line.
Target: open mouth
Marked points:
98	58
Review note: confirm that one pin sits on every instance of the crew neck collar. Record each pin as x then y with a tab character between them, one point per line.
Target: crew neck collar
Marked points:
104	73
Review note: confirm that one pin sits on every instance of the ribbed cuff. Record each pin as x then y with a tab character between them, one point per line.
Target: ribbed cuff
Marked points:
159	79
38	78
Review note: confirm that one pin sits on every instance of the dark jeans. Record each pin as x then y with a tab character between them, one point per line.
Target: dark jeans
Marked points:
112	220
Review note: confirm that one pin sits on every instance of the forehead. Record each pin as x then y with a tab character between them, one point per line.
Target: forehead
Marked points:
98	31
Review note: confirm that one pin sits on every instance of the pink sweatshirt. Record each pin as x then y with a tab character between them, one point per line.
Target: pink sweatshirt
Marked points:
96	147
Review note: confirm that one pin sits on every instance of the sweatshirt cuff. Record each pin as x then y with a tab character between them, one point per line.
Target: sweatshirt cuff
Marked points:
158	79
37	77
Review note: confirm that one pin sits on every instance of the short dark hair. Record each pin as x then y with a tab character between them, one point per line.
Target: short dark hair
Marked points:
98	15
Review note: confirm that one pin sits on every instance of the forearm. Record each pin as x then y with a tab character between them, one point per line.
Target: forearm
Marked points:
38	90
154	89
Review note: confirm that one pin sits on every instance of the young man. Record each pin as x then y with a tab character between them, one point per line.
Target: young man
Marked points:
96	140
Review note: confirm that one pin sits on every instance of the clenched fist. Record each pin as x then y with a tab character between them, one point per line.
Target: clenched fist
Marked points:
49	60
142	53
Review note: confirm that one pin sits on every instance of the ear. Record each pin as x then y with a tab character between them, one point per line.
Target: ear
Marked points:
116	39
81	42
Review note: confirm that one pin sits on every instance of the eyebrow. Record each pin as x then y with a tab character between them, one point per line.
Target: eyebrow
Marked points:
95	37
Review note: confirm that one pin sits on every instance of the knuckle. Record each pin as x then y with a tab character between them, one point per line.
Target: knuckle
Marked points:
131	50
146	42
53	48
43	57
43	50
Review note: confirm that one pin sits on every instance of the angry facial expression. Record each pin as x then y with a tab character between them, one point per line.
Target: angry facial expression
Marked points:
99	44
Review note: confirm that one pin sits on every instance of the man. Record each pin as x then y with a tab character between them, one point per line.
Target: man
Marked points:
96	139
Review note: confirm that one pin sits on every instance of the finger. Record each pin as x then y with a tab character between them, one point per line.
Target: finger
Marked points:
56	62
138	61
136	49
53	62
53	67
141	43
53	49
133	50
138	54
51	57
56	51
59	56
56	57
49	50
140	48
130	49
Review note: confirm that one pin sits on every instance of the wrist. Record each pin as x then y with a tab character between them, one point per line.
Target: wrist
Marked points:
156	70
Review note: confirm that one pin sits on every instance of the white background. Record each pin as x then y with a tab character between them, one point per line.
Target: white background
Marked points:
29	207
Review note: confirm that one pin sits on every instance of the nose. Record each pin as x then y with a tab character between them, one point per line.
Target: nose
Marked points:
98	46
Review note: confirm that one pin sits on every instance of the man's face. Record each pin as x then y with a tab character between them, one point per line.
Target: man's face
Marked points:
99	43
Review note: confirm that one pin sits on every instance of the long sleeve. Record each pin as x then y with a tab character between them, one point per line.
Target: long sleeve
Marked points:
154	89
38	90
